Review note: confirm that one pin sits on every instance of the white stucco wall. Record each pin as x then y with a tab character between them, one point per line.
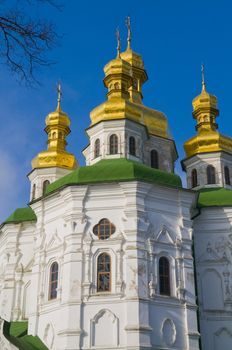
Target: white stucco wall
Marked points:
151	221
213	256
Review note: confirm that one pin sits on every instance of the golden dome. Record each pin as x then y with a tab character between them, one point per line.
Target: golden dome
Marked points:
208	139
57	128
124	77
204	100
133	58
118	78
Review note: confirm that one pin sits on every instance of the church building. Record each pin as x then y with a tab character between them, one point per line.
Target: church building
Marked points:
117	254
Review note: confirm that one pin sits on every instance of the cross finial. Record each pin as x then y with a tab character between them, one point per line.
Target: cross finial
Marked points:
203	76
128	24
118	42
59	94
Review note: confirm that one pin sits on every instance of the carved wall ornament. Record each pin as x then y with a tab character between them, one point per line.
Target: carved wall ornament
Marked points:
55	242
222	339
107	323
223	246
144	225
74	225
168	331
152	291
228	287
166	235
49	335
210	255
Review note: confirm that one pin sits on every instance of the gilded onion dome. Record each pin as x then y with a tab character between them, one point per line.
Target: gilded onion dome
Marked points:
57	128
208	139
139	74
124	77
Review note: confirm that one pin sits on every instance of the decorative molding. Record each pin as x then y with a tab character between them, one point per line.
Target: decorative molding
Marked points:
168	331
54	243
104	320
166	236
210	256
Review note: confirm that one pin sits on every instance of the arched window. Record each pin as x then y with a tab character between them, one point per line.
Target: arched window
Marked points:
194	178
53	283
33	192
113	144
104	229
227	175
132	146
97	148
164	276
103	273
211	179
45	185
154	159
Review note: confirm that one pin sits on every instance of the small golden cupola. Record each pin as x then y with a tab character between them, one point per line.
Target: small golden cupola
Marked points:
208	139
57	129
118	75
139	75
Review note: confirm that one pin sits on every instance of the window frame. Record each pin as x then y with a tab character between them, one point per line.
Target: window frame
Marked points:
211	175
52	282
227	175
97	148
45	185
33	194
154	162
194	178
100	273
101	223
165	258
113	144
132	146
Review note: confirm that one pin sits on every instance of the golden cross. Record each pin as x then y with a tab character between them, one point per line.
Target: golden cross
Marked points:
203	76
59	91
128	24
118	42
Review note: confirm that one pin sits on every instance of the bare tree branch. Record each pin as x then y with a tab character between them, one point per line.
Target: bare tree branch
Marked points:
25	42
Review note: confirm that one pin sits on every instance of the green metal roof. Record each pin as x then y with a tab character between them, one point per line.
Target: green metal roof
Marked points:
215	197
21	215
16	334
115	170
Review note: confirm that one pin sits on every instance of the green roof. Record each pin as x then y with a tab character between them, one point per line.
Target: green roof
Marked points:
215	197
115	170
16	334
21	215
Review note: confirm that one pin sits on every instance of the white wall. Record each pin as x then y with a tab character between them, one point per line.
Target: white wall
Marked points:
213	254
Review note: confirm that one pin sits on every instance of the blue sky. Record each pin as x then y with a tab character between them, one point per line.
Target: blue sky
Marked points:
174	38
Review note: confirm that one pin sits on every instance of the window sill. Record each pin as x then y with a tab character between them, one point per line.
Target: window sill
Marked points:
104	295
166	299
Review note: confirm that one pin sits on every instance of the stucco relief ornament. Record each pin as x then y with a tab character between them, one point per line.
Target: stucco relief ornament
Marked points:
223	246
228	287
178	242
73	225
210	255
168	332
122	287
144	225
151	288
19	272
40	239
